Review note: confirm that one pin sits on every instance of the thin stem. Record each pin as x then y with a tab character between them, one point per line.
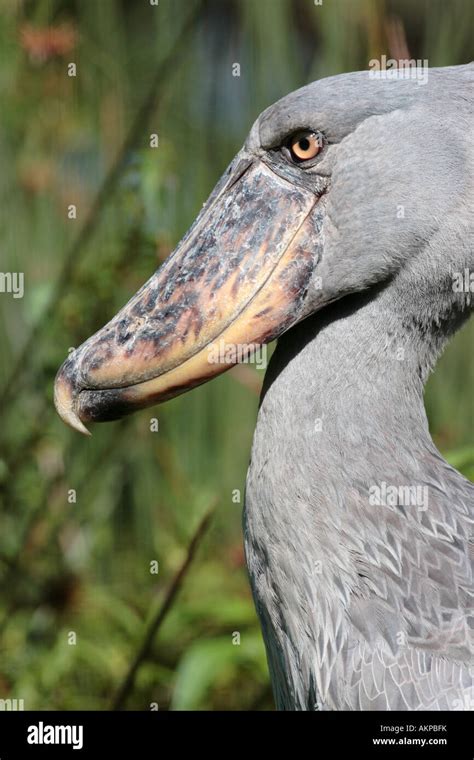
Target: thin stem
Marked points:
128	682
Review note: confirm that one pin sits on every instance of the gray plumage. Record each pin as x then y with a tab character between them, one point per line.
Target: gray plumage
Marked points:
368	606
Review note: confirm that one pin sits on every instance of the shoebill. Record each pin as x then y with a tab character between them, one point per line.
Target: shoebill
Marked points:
344	229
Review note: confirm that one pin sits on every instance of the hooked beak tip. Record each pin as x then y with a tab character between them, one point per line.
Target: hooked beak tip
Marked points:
64	403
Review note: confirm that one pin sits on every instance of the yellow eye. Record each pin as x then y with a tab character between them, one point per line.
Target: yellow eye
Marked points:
305	145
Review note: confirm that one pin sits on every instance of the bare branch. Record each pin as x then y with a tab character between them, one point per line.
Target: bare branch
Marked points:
128	682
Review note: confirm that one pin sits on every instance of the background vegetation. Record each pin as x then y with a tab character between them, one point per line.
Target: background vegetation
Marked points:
84	567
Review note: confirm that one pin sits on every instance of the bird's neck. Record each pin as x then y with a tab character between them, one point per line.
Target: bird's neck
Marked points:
344	390
343	474
342	422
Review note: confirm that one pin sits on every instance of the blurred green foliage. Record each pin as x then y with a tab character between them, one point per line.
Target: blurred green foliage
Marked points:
84	567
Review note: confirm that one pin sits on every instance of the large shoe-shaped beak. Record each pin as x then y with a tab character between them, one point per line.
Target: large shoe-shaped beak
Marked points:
238	278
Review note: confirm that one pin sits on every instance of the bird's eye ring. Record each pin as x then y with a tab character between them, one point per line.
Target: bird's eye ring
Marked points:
305	145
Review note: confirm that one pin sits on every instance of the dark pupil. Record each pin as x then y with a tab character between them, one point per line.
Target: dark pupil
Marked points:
304	143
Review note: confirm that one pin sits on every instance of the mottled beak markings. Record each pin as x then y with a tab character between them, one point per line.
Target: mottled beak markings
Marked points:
239	275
